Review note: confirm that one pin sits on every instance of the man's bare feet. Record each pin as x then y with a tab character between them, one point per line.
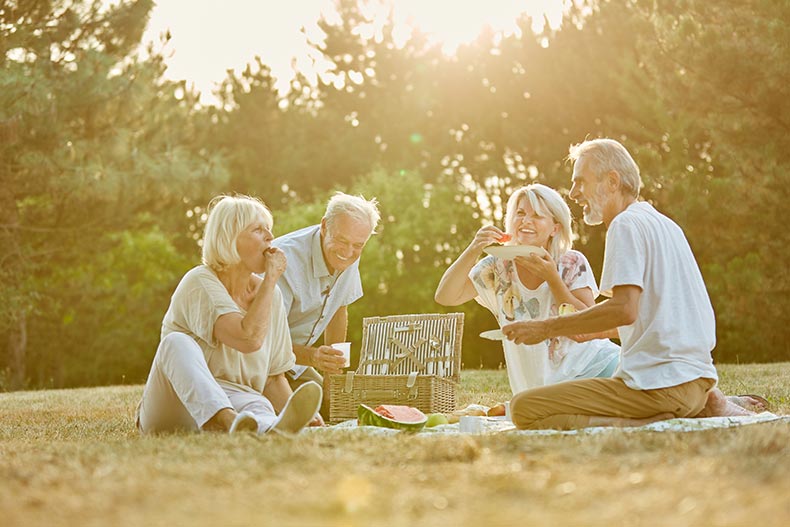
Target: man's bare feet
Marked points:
749	402
626	422
718	405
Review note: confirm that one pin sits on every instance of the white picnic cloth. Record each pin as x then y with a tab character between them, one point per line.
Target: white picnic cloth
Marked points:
493	425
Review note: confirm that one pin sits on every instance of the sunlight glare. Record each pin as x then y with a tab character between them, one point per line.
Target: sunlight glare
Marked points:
210	38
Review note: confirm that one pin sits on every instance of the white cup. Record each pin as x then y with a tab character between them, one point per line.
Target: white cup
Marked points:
470	424
345	347
508	417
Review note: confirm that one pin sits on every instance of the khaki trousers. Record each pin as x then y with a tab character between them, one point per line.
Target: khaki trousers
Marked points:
569	405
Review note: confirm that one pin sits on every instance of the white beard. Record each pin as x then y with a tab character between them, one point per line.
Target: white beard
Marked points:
594	213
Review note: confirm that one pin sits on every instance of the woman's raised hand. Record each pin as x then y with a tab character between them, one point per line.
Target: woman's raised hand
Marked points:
541	265
488	235
275	262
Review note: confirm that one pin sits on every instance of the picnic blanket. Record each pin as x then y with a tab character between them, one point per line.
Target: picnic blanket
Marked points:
494	425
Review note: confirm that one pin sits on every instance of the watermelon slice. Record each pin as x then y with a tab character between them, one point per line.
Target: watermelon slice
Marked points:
392	416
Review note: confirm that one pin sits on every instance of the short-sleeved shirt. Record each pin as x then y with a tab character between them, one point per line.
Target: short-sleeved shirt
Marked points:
671	340
198	301
311	294
555	360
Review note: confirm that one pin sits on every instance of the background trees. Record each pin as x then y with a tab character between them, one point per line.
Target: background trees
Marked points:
106	167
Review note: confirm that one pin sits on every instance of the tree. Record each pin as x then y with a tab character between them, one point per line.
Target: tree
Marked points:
96	145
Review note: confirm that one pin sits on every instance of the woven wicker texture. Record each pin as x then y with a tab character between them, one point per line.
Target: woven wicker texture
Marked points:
413	360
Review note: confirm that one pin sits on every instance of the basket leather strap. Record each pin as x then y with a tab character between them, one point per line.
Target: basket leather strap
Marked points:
349	382
411	384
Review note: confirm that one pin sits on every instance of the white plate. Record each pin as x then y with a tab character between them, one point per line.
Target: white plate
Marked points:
508	252
493	334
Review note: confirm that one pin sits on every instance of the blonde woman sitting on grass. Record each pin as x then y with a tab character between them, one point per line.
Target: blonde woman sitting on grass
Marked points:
225	344
532	287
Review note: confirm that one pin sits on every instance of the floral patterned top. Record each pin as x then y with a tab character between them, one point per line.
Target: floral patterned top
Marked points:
555	360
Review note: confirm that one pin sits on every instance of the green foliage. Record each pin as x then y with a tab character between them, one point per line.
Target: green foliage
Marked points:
105	168
95	146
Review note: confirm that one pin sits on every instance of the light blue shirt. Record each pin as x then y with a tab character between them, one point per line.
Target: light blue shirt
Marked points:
312	296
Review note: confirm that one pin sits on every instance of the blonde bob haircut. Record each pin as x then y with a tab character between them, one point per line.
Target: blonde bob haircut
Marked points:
546	202
227	218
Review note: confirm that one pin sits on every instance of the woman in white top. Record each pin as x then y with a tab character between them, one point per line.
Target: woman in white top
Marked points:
225	344
532	287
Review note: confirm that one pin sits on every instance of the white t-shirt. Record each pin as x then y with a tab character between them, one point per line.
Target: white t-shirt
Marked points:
555	360
670	342
198	301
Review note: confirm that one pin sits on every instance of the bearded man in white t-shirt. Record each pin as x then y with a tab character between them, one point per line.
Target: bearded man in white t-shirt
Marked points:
657	303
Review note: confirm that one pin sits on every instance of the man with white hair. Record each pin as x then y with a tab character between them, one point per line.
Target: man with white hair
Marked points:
658	303
321	280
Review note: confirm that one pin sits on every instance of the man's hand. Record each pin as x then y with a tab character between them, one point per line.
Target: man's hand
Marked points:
527	332
328	360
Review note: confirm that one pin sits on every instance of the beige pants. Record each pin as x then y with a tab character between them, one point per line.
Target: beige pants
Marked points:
569	405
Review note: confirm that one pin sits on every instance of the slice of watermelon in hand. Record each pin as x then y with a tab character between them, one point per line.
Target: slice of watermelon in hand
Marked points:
505	238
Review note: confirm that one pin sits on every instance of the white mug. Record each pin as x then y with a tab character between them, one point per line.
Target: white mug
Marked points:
470	424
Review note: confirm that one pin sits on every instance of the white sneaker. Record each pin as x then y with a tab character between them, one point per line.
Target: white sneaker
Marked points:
299	410
244	422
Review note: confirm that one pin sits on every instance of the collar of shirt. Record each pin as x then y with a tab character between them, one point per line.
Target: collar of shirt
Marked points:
320	269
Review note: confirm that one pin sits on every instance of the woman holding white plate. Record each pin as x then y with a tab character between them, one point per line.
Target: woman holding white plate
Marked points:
529	277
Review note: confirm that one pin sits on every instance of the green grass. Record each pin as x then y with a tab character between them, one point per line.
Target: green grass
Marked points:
73	457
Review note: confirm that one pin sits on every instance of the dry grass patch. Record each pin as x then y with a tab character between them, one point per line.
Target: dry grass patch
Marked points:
72	457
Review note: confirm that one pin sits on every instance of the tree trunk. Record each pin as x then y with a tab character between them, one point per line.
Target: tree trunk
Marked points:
17	349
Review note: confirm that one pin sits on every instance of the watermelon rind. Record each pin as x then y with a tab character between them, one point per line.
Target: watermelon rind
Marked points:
366	416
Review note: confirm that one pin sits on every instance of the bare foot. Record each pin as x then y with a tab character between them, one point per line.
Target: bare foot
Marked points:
718	405
220	421
748	402
626	422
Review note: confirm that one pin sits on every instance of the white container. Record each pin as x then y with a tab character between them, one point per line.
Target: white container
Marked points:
508	416
471	424
345	347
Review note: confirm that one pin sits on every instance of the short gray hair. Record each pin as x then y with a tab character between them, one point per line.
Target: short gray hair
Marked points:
547	202
228	216
604	155
357	207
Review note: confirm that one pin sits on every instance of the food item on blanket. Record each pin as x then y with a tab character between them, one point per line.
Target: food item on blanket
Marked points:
436	420
473	409
392	416
497	410
505	238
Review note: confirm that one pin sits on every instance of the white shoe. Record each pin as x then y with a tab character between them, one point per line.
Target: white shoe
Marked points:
299	410
244	422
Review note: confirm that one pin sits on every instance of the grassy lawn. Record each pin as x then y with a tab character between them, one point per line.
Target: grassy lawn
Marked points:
73	457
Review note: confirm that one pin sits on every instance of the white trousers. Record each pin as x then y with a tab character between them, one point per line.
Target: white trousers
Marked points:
182	394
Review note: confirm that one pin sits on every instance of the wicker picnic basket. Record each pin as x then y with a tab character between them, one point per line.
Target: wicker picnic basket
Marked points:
412	360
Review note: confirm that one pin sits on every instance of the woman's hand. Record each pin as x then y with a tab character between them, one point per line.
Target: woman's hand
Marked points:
541	265
275	262
486	236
